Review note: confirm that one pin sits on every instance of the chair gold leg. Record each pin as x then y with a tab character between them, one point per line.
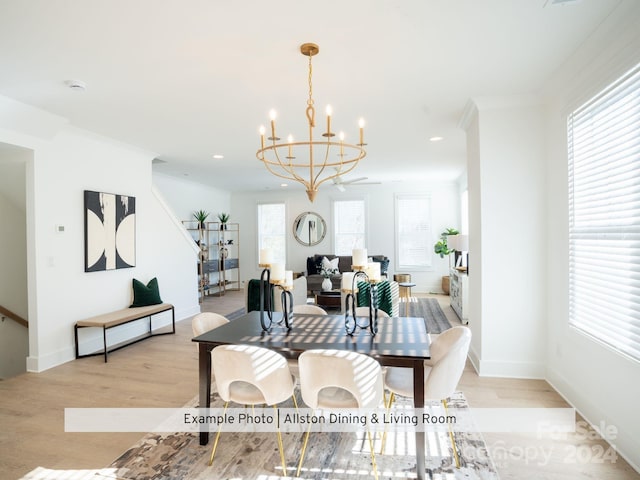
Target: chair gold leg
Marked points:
392	397
304	450
281	447
215	443
451	437
373	455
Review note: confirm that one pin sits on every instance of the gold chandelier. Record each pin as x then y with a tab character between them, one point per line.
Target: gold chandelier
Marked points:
298	160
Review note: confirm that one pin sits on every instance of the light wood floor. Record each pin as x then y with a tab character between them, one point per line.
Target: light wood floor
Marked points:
163	372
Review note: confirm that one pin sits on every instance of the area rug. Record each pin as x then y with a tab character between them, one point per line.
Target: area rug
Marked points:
336	456
429	309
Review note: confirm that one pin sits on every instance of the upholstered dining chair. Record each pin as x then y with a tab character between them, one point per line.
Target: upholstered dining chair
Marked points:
364	312
205	321
311	309
441	375
251	375
331	379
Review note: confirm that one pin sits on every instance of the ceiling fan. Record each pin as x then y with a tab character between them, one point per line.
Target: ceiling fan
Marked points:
339	183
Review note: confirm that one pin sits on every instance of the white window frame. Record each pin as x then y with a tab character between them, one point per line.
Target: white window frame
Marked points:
334	218
424	239
279	257
603	140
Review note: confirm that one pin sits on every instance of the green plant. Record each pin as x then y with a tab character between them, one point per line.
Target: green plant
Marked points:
441	247
223	217
200	215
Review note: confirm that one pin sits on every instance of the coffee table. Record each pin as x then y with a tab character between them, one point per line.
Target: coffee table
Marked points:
329	299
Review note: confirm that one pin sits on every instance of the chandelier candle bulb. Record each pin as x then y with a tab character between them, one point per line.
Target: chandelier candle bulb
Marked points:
329	112
266	256
277	272
361	125
359	256
272	116
262	132
290	141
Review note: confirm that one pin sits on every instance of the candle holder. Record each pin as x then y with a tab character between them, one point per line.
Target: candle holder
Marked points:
265	297
286	297
350	319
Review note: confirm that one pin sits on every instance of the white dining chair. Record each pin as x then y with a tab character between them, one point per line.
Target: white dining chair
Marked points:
334	379
310	309
364	312
206	321
251	375
441	375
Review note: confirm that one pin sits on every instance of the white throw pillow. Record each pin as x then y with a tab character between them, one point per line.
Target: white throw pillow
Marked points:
331	264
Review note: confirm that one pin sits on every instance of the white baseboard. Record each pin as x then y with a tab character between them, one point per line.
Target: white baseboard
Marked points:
507	369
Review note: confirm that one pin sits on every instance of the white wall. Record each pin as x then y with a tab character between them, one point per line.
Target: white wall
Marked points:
380	219
64	165
600	383
185	196
509	185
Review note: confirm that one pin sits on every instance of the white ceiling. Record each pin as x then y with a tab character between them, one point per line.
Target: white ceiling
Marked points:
190	78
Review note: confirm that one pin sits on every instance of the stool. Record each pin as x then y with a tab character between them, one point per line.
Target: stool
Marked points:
405	292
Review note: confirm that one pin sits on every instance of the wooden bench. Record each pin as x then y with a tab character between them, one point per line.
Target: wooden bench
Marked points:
122	317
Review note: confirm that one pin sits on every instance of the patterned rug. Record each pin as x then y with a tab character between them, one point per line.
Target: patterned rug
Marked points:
427	308
336	456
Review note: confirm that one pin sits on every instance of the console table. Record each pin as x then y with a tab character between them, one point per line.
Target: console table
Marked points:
459	294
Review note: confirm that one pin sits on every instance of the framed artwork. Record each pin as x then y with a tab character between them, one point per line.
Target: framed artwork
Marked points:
109	231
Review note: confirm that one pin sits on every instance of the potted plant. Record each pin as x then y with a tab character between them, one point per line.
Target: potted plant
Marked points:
442	249
326	273
224	218
201	217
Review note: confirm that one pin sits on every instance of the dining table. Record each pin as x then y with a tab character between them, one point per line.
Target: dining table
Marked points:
399	342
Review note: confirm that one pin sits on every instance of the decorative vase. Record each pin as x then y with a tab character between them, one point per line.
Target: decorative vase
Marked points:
326	284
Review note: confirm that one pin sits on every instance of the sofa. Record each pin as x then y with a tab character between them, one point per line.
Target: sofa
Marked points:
314	278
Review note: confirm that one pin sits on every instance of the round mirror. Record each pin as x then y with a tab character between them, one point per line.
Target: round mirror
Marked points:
309	228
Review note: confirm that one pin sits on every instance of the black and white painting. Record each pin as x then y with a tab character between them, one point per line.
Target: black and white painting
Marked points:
109	231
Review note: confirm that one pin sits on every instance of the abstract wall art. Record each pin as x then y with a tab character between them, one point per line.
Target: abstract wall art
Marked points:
109	231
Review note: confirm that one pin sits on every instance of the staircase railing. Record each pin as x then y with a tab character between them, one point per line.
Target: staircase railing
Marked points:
5	313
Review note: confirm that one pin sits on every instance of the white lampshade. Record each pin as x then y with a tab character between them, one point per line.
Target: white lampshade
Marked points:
463	243
359	257
452	242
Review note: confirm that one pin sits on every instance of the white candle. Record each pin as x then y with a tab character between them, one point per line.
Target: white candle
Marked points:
359	257
266	256
288	278
347	280
277	272
373	271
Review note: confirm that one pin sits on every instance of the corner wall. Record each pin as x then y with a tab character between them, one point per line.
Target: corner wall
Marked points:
66	162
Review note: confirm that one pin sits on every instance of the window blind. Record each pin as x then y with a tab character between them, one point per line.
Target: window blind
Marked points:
349	226
604	216
414	241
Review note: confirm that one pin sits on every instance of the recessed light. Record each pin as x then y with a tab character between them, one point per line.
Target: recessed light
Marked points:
435	139
217	156
284	185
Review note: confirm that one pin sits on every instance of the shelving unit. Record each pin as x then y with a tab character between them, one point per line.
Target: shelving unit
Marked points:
218	263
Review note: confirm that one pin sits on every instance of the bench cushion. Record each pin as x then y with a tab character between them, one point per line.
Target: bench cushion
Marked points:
125	315
144	295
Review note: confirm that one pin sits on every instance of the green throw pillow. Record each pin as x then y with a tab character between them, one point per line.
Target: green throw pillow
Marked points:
144	295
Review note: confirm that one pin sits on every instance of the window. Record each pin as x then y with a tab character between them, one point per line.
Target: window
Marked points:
604	216
272	230
348	226
413	232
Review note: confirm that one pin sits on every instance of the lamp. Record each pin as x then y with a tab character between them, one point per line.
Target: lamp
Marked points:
310	162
